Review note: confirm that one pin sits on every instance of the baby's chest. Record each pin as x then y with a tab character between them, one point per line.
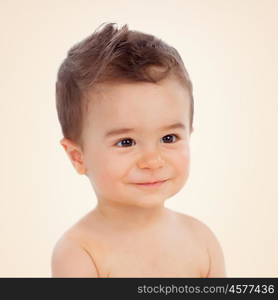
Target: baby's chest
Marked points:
174	260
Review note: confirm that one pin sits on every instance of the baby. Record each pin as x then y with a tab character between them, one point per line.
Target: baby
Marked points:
125	105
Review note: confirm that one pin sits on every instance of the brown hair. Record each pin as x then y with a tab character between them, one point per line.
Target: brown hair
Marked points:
117	55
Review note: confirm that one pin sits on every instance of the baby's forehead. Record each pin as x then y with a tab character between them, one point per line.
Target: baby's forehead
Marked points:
116	91
132	103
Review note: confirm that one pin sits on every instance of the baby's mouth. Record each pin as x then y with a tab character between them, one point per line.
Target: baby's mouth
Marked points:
151	184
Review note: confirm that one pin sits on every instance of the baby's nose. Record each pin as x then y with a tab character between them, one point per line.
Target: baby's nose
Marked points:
151	160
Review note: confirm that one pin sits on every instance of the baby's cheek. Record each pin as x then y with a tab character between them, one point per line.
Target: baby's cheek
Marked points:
110	171
183	162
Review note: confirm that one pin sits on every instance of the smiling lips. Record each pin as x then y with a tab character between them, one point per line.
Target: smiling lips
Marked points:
150	184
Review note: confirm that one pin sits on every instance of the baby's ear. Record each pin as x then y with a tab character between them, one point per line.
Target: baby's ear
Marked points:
75	155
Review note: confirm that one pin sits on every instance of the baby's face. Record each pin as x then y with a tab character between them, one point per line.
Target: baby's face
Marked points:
128	139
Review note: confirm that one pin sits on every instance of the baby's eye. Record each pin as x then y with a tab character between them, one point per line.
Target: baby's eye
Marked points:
125	142
166	137
128	141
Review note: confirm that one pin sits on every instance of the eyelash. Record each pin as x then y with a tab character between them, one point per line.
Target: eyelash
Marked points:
177	137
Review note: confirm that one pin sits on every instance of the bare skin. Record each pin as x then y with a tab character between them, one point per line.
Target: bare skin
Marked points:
130	233
177	245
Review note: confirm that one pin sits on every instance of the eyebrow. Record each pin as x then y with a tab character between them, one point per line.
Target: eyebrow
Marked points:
119	131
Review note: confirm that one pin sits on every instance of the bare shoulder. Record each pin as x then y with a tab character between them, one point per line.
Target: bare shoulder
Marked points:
70	257
198	227
193	224
203	233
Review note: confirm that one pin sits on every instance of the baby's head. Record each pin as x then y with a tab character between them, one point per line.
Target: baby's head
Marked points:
125	104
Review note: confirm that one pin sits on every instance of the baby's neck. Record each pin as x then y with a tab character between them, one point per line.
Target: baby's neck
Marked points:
132	217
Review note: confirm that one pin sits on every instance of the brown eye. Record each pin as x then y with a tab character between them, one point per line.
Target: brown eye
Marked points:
125	142
169	138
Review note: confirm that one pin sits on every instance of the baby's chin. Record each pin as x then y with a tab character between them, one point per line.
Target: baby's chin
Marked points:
147	199
143	202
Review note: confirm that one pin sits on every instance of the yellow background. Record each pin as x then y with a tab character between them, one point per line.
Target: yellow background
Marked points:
230	50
